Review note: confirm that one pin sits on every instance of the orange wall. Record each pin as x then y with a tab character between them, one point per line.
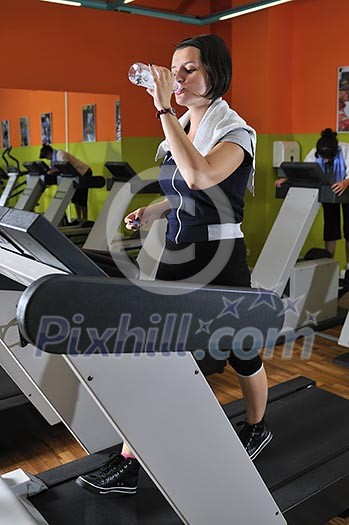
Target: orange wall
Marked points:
57	47
285	58
321	45
263	62
16	103
25	103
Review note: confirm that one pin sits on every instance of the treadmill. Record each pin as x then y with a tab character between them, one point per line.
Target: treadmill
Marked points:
305	467
28	243
122	186
309	287
37	180
14	184
69	180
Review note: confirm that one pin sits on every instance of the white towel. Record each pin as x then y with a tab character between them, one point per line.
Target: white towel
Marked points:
218	120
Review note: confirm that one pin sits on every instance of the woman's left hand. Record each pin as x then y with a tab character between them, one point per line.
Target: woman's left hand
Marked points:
340	187
162	92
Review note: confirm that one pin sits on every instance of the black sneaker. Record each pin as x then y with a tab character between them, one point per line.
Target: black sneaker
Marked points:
254	437
118	474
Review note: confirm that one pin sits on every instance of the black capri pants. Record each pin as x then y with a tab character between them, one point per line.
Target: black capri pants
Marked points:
332	221
234	273
81	195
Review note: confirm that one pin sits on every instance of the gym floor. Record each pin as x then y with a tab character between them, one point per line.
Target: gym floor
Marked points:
28	442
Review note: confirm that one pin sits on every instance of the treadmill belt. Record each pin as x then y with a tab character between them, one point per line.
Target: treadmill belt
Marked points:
305	467
68	504
305	435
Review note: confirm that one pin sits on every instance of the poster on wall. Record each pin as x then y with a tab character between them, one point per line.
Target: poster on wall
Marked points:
89	123
5	134
343	100
117	120
46	128
24	130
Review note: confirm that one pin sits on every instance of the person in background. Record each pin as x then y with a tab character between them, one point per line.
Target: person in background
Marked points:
333	157
208	164
80	196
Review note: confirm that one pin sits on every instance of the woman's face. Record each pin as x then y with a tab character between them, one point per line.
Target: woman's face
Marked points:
191	74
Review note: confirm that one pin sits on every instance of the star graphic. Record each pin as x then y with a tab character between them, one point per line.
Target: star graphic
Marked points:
292	305
204	326
230	307
264	297
311	318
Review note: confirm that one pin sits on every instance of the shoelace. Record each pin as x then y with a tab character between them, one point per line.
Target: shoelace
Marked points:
115	462
112	458
251	431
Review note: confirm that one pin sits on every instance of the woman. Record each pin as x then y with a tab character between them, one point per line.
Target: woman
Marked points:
208	163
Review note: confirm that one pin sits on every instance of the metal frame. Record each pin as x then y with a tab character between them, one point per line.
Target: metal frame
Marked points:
40	377
201	487
119	5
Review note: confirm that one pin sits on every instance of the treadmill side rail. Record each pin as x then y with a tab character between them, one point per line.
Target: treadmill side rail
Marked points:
171	398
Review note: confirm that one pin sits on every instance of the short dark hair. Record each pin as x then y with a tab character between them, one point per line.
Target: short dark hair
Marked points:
216	60
327	145
46	148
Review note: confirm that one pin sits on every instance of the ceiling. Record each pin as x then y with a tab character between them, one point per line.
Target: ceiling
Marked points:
186	11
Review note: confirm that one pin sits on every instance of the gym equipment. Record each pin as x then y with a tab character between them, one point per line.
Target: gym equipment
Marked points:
310	488
28	243
306	304
3	177
13	186
305	466
10	394
69	180
123	185
37	179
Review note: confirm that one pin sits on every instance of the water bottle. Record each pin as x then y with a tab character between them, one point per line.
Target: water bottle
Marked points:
140	75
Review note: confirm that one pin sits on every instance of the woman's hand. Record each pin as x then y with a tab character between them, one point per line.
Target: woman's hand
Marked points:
53	171
280	181
146	216
340	187
162	92
133	219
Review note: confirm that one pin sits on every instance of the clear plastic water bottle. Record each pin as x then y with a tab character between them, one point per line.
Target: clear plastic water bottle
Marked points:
140	75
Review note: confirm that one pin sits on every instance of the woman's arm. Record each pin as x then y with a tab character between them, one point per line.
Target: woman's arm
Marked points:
198	171
146	215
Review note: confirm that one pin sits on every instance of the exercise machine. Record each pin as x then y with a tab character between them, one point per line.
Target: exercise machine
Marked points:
309	288
69	180
14	186
170	398
122	186
302	477
37	180
22	235
3	177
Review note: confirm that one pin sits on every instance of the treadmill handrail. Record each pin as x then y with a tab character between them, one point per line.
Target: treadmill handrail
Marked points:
239	316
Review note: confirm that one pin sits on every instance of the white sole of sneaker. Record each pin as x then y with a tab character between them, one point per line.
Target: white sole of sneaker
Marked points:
97	490
261	446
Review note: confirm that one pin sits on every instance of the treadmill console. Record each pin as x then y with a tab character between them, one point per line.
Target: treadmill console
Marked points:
37	167
66	169
304	174
33	236
121	171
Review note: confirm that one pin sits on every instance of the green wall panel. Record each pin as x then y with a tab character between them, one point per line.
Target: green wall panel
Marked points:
260	210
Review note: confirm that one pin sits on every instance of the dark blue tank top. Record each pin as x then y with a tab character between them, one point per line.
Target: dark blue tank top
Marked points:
191	211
